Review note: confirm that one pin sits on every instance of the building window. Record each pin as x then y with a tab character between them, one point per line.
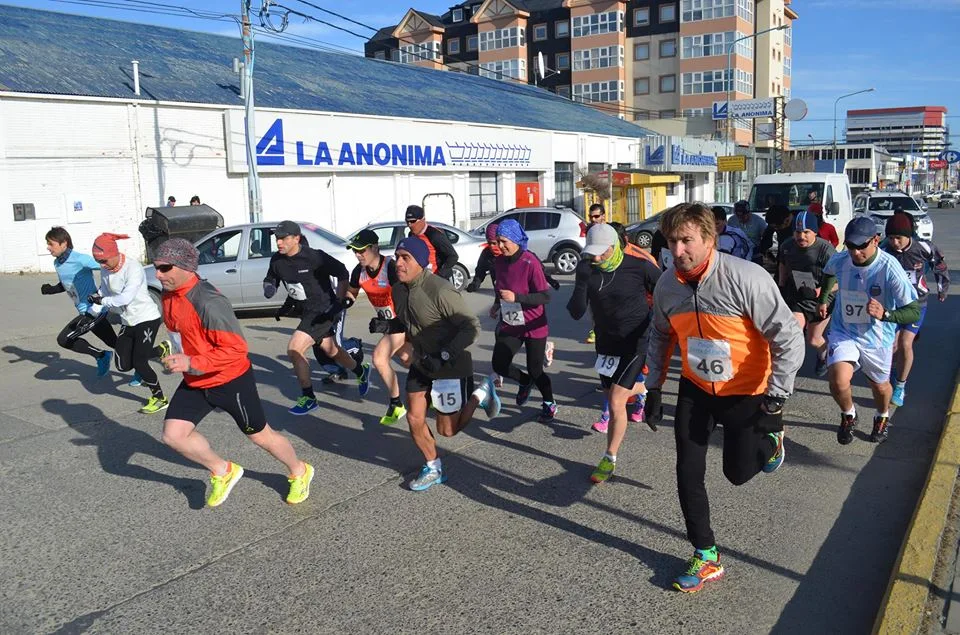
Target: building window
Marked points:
712	82
472	42
563	61
641	51
563	183
483	194
563	91
641	17
668	48
641	115
598	91
859	176
474	9
694	10
539	32
668	114
668	12
668	83
505	69
602	57
453	46
788	36
501	39
379	55
561	28
745	10
411	53
457	15
597	23
710	44
694	112
787	66
641	86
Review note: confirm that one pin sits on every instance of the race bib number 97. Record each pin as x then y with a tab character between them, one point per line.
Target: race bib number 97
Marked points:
710	360
446	395
607	365
855	307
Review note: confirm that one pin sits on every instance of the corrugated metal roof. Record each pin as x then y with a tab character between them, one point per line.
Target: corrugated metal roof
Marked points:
57	53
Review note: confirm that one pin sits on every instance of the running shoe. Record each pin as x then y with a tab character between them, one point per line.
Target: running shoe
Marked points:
136	381
845	431
899	391
775	461
822	368
300	485
394	414
155	405
103	364
699	570
491	402
427	478
604	471
602	423
881	426
548	354
363	381
166	348
221	486
303	406
523	394
591	337
636	415
548	411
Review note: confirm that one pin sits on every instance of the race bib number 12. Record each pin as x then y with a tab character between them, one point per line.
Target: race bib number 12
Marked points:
511	313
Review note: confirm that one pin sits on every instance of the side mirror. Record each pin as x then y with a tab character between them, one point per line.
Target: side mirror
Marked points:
833	209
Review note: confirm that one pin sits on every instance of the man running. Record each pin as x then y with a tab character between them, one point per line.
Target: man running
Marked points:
485	261
306	273
123	289
802	261
874	295
75	271
211	352
740	349
749	223
439	329
442	254
917	257
613	284
596	215
376	275
731	240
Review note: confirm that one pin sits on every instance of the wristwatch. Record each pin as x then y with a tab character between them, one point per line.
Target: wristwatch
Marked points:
445	356
886	315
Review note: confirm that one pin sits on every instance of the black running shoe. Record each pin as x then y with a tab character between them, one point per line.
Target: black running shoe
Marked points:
881	425
845	431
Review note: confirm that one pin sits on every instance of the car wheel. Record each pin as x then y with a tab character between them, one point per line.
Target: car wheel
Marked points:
644	239
566	260
459	277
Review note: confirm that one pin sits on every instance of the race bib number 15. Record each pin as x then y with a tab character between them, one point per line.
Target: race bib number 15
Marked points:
446	395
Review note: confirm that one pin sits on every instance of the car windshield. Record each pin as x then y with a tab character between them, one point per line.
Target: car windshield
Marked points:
327	234
889	203
794	195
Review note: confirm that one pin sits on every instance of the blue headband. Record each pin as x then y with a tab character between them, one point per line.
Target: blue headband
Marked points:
511	230
806	221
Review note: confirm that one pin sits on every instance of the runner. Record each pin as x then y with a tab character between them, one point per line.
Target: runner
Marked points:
75	271
731	240
917	257
874	295
802	260
612	284
212	355
597	216
439	329
826	231
376	275
123	289
306	273
740	350
485	261
442	254
749	223
521	300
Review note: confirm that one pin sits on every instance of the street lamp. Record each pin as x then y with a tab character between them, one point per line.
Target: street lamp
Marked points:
730	82
865	90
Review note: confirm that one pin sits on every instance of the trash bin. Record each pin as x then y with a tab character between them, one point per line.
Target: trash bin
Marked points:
186	221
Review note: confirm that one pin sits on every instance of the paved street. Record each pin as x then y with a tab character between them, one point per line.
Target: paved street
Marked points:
105	529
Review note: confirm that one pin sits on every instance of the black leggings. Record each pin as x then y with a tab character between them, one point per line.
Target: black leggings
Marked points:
69	339
746	448
504	350
135	349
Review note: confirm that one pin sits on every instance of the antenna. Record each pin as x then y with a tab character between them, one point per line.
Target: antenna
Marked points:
541	66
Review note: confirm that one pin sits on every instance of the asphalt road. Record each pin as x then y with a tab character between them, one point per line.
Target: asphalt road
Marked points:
104	528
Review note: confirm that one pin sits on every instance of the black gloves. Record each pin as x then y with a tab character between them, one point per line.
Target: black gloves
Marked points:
379	325
472	287
94	298
346	302
772	405
50	289
653	408
269	290
285	309
554	283
433	363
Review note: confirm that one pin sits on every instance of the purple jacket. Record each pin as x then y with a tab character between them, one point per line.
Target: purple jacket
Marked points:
523	274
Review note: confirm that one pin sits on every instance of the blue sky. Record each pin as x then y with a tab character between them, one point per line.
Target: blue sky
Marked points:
839	46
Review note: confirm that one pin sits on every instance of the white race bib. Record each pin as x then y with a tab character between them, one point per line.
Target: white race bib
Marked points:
72	292
607	365
511	313
176	342
385	313
709	360
446	395
296	291
855	307
803	279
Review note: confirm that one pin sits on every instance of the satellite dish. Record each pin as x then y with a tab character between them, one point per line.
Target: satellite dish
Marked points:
540	65
795	110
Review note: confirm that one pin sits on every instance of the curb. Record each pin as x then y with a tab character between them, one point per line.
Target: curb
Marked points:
904	602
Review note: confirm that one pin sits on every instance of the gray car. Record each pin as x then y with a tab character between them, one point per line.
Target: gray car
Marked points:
235	260
557	234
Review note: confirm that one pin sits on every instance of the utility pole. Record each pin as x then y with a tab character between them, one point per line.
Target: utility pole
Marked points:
253	178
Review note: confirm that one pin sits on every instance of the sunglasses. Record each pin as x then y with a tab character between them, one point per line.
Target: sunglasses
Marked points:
852	247
411	222
164	268
596	215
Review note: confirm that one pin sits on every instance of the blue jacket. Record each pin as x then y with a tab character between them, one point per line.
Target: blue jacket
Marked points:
75	271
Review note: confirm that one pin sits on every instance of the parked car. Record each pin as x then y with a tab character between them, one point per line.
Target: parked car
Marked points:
880	206
468	246
557	234
921	202
933	197
641	233
947	199
235	260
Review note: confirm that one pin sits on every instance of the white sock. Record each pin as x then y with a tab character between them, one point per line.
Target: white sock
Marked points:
884	414
435	465
852	412
612	457
481	393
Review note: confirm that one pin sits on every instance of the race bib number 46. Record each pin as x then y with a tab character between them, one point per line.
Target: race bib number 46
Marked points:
607	365
710	360
511	313
446	395
855	307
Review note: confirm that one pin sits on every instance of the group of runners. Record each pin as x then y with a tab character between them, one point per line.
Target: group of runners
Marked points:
739	330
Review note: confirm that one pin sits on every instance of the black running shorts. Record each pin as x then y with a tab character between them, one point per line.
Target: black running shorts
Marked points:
238	398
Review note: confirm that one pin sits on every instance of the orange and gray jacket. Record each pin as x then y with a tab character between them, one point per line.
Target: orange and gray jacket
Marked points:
737	307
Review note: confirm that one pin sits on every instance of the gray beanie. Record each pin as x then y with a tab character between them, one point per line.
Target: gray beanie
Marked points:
178	252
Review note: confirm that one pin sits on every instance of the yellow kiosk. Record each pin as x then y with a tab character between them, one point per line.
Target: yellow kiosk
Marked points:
637	194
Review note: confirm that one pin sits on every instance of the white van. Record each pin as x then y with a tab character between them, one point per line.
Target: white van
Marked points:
793	190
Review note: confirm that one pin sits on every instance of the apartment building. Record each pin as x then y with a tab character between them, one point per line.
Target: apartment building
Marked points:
918	130
638	59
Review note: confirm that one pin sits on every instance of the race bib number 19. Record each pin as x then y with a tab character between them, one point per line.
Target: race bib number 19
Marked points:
446	395
710	360
607	365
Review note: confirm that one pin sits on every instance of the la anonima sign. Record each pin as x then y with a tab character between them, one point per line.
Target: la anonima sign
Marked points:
301	142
